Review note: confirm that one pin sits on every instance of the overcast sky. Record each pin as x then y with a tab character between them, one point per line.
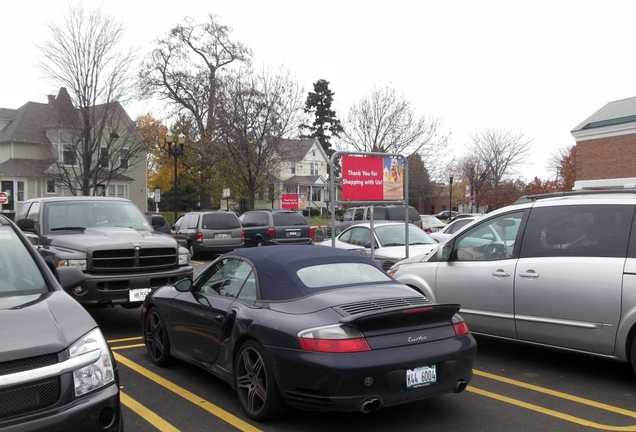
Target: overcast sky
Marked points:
538	67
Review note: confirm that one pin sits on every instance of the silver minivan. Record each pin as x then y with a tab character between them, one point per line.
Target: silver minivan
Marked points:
551	270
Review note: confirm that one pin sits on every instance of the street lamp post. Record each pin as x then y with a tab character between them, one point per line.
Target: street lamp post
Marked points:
450	198
175	149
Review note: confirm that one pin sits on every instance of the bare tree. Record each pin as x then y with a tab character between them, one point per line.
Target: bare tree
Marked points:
82	56
257	111
387	122
183	69
556	158
499	152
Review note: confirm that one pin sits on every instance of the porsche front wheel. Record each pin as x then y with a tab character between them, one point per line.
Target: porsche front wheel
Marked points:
157	340
255	384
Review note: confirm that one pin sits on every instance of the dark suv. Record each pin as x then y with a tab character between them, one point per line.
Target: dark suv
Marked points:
275	227
58	372
208	231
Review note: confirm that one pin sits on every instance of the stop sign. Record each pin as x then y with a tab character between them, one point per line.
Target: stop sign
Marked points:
3	197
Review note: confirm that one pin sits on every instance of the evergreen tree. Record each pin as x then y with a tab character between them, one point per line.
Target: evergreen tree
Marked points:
326	124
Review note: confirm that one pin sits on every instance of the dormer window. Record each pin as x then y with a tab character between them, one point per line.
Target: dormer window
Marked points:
293	167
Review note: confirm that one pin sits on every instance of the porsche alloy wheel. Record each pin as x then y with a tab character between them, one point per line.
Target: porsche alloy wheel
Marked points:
157	341
255	385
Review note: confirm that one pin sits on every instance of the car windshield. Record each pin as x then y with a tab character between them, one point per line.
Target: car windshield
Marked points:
328	275
431	220
394	235
90	214
19	275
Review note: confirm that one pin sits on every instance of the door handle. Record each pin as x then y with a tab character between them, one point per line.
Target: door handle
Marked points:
530	274
219	317
500	273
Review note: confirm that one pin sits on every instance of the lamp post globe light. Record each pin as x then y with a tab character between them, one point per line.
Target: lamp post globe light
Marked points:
450	198
175	149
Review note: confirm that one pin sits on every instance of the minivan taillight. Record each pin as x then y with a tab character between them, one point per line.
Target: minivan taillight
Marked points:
199	236
242	235
271	232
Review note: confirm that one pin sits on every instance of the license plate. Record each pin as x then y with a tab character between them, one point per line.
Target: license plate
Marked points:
421	376
135	295
292	233
222	235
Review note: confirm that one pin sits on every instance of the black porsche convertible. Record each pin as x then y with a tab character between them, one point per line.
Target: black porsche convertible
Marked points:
316	328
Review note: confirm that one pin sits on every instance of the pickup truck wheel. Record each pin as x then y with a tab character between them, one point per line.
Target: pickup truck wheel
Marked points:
260	243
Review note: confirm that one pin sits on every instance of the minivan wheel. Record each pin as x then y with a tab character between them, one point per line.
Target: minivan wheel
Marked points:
191	249
633	355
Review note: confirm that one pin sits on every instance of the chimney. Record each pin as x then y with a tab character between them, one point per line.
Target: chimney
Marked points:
51	99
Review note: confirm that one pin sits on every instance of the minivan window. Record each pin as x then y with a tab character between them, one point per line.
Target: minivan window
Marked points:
219	221
579	230
194	221
289	218
492	240
255	219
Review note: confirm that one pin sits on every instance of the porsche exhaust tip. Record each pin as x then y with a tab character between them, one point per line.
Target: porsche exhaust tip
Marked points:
460	386
369	405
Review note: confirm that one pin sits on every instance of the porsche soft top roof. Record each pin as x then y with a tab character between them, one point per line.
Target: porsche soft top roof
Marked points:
277	266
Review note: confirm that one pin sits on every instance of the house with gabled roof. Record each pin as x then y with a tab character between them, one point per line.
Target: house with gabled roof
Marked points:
38	157
303	170
606	142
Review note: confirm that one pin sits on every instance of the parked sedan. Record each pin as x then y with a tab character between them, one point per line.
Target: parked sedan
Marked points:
389	241
451	228
316	328
431	224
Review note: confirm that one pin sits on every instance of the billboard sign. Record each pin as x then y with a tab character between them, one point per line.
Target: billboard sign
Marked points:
293	201
372	178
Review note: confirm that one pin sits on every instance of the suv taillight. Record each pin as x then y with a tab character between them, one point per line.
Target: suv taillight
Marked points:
312	233
242	235
271	232
199	236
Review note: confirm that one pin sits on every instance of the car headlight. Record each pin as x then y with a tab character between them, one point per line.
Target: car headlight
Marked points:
79	263
97	374
394	268
184	258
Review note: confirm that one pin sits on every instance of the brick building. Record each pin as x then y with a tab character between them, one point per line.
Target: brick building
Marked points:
606	142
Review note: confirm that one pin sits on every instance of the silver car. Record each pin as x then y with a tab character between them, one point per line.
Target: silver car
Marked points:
551	270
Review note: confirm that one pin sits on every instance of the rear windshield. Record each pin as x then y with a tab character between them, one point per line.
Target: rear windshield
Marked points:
328	275
289	219
220	221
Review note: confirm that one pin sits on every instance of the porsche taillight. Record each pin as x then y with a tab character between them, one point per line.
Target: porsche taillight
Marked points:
460	326
333	339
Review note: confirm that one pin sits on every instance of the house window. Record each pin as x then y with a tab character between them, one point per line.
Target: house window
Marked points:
68	155
313	168
116	191
103	157
20	194
123	158
315	194
293	167
50	187
313	153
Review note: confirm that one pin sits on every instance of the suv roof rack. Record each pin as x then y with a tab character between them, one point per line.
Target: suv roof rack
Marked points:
613	183
529	198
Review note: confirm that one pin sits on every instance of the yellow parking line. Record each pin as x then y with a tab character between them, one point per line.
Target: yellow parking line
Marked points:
127	347
148	415
124	340
189	396
550	412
